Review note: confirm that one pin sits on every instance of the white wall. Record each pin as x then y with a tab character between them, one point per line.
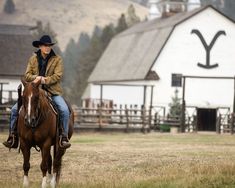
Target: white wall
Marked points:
122	94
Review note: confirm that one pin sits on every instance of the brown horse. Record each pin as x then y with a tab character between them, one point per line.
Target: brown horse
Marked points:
37	128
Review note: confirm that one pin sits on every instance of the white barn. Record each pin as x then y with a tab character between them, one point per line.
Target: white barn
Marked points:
197	45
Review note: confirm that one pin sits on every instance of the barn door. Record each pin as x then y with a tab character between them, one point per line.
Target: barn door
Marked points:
206	119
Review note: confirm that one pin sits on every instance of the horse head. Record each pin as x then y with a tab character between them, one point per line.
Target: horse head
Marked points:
30	103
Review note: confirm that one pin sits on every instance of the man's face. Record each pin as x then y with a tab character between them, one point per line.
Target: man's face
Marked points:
46	49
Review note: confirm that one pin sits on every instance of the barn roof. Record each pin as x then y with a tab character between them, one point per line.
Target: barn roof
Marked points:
131	54
15	49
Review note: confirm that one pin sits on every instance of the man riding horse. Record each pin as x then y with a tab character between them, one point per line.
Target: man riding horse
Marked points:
47	68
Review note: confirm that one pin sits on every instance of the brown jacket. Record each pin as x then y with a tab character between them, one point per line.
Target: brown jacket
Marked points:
54	73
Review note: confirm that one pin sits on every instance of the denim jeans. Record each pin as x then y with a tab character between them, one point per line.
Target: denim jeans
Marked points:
62	108
13	117
63	111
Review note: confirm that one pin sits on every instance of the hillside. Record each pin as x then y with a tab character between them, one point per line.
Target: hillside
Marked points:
69	18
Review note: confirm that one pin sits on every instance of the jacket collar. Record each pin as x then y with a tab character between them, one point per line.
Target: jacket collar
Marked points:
51	54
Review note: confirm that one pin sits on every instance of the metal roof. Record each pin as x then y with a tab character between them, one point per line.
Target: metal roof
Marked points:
15	49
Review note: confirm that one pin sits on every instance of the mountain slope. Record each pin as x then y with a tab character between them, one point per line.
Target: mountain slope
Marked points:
69	18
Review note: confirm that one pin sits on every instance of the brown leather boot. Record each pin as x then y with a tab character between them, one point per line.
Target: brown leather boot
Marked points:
64	142
12	141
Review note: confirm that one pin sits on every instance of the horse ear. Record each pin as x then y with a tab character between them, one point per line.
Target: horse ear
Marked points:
23	80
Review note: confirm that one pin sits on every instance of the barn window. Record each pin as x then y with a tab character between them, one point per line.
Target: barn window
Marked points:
176	80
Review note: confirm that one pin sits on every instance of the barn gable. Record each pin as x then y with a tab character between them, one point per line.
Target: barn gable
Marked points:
132	54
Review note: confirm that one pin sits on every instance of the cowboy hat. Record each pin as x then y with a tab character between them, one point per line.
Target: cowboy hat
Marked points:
45	39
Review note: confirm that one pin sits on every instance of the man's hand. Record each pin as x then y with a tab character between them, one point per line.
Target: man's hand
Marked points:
37	79
40	79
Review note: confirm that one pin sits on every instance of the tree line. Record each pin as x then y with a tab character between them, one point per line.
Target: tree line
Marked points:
81	57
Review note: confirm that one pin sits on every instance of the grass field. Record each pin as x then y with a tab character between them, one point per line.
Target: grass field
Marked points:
135	160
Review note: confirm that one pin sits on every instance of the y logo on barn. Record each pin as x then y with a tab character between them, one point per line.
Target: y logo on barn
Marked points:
208	47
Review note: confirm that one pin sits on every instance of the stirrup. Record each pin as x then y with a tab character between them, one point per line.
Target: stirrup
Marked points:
12	141
64	145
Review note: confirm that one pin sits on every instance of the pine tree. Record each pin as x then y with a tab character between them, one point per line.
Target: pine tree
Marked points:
175	105
122	25
88	59
228	9
9	7
132	18
107	34
72	56
70	60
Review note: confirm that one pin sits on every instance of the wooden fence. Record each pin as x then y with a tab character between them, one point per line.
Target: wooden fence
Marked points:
4	117
119	118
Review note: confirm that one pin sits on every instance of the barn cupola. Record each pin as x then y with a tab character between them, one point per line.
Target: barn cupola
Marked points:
154	11
193	4
166	8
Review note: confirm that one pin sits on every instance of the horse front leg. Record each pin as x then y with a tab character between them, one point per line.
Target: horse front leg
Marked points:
26	165
45	162
49	162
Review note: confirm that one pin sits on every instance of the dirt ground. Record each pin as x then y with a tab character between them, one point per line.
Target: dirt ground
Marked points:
123	160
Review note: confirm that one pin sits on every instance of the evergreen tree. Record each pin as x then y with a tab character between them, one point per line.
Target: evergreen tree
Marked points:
228	9
9	7
175	105
73	53
122	25
215	3
88	59
70	60
132	18
107	34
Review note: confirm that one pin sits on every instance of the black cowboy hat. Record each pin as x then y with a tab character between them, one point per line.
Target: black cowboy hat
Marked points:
45	39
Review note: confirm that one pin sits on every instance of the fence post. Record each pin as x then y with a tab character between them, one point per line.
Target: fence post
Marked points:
127	120
218	124
100	116
232	123
120	113
143	114
150	118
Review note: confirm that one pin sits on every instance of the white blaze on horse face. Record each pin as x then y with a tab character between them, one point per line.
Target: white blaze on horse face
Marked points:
29	106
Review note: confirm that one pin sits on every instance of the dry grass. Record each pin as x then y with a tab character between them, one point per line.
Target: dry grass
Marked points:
134	160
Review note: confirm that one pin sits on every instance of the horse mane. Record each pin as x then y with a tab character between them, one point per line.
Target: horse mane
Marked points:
44	103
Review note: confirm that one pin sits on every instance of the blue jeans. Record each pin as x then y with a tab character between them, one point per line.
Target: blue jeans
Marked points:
63	111
13	117
62	108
